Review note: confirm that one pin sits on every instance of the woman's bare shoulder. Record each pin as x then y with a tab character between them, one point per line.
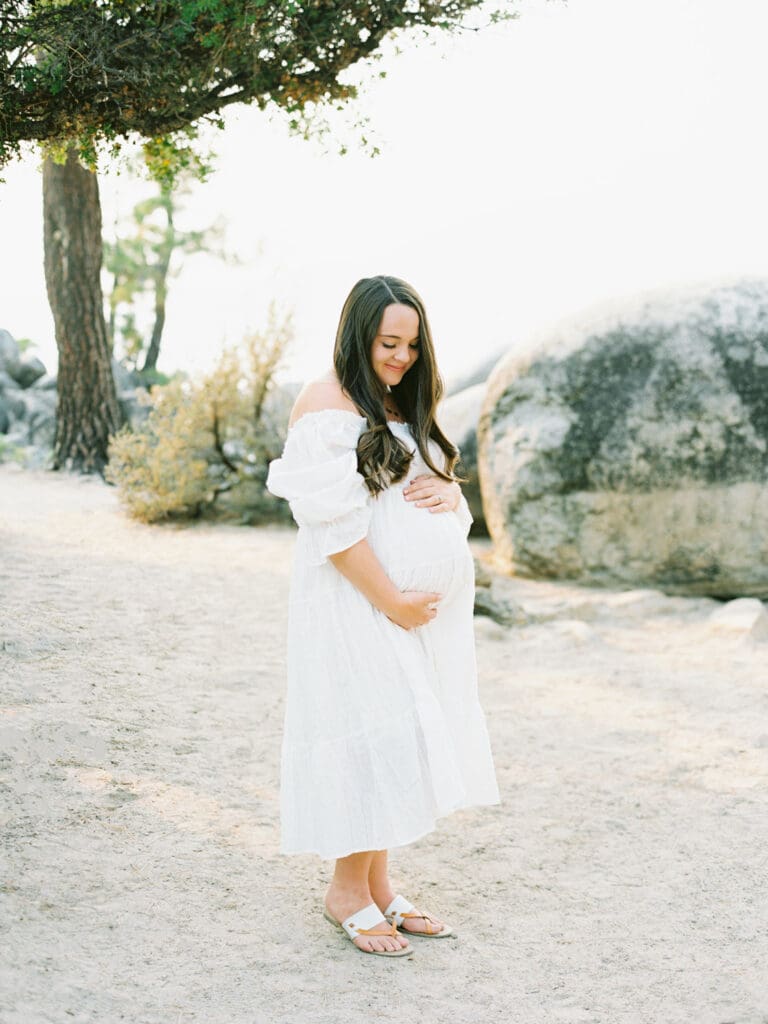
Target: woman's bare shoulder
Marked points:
318	395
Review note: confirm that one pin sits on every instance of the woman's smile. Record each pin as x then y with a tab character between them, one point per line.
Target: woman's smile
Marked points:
396	346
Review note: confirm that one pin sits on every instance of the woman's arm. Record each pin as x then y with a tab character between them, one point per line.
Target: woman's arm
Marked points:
364	571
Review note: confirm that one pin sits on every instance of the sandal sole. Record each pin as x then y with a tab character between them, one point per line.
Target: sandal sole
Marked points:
444	934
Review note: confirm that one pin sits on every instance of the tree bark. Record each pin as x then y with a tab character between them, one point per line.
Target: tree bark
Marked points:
88	411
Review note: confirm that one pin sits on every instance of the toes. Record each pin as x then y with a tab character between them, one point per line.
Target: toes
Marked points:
421	924
383	944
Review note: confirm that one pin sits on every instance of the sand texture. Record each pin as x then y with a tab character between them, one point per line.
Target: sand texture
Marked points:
621	881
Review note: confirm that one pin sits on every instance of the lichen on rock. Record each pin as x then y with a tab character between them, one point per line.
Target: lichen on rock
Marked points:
630	445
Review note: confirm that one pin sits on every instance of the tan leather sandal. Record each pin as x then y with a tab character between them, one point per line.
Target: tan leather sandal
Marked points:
400	909
363	922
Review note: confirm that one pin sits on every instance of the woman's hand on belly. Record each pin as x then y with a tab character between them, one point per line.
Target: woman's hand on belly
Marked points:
406	608
433	493
414	608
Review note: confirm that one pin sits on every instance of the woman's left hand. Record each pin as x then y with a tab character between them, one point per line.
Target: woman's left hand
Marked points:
432	492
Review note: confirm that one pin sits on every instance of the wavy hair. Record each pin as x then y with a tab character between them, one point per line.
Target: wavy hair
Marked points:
382	457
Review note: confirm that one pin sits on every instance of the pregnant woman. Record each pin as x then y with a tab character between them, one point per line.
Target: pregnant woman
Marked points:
383	730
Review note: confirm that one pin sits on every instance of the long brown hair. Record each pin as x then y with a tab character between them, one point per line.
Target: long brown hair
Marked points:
382	458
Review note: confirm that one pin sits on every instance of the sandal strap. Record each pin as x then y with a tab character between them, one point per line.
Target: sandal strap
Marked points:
363	922
375	931
400	908
428	918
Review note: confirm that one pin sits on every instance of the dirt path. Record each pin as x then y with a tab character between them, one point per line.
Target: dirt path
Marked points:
622	879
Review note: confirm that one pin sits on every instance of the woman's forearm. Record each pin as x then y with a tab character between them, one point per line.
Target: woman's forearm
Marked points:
363	569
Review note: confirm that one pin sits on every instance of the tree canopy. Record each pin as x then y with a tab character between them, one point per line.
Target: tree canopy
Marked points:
79	75
104	70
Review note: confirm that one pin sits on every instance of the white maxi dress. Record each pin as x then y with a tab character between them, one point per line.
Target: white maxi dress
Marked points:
383	730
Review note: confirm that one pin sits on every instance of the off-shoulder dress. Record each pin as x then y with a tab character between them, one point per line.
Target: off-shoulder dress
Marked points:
383	729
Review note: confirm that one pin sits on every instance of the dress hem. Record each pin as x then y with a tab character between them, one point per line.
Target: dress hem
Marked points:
394	845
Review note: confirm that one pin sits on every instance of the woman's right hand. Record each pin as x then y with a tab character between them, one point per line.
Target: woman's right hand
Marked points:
414	608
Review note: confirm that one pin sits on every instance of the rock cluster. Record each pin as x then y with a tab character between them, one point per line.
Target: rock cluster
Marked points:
630	445
27	399
28	402
580	611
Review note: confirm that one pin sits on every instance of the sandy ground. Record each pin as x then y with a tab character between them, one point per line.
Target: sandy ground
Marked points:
622	879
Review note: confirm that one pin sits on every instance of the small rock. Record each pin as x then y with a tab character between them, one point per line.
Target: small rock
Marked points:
132	407
6	381
28	372
493	602
10	357
745	615
482	575
35	413
14	403
575	630
488	628
125	379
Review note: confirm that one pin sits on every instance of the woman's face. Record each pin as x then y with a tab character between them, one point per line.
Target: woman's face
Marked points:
396	346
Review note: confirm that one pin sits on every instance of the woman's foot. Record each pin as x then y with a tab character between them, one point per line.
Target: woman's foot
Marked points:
383	896
340	903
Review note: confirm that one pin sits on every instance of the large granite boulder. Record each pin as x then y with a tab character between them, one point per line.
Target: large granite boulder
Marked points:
630	445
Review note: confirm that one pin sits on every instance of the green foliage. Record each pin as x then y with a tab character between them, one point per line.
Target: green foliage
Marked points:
94	74
151	378
208	441
171	157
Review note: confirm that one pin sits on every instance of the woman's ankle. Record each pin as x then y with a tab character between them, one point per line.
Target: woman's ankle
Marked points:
346	892
382	895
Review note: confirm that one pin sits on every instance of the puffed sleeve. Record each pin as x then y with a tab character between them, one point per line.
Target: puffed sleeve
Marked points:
317	474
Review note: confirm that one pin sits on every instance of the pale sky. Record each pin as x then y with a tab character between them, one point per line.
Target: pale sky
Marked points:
584	151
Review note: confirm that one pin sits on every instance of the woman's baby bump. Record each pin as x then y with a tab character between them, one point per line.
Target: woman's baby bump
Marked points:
417	548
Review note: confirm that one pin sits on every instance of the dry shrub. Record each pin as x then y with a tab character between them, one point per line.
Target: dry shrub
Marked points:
208	442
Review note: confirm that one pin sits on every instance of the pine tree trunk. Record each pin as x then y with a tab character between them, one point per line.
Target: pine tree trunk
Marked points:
87	411
153	352
161	285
